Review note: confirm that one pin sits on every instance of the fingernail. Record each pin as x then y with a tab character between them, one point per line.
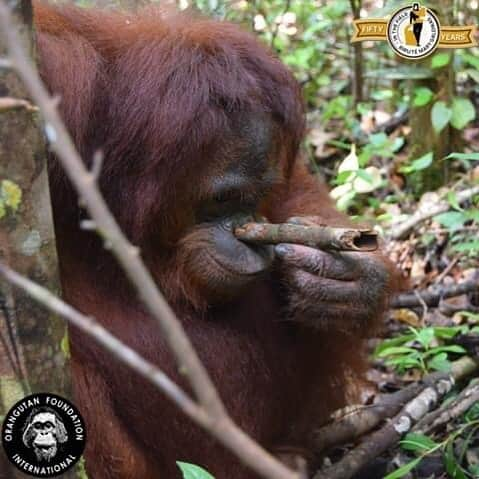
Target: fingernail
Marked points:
282	250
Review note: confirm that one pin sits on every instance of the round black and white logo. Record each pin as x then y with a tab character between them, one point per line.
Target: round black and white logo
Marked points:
413	32
43	435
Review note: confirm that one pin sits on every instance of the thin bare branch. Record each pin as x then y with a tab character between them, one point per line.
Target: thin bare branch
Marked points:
9	104
433	297
94	329
400	230
448	412
97	164
363	419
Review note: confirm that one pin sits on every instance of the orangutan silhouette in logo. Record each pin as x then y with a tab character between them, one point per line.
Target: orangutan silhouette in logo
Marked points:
44	431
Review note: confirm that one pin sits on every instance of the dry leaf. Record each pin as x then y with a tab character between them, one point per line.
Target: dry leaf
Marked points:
406	316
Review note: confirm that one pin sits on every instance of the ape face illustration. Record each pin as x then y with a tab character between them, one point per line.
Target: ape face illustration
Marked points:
44	431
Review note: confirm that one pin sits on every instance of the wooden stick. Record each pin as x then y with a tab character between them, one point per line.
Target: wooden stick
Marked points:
433	296
399	231
391	433
323	237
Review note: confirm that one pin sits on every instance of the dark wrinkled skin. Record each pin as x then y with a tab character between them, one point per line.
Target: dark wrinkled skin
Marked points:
326	287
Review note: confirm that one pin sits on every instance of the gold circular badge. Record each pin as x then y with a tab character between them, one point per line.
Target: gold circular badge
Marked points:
413	32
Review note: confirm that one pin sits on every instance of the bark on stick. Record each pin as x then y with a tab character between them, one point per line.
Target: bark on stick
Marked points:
323	237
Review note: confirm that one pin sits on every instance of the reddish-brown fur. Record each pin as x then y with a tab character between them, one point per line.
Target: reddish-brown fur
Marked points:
155	94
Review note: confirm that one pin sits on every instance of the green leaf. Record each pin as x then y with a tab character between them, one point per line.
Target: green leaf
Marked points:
394	350
473	470
367	180
363	108
65	345
404	72
340	144
419	164
473	214
397	144
384	217
388	343
81	469
463	156
453	469
365	155
344	176
466	247
345	200
378	139
338	107
451	219
190	471
405	362
341	190
474	74
448	332
452	200
472	414
301	57
365	175
403	470
440	116
463	112
452	348
382	95
417	443
422	96
471	59
440	363
425	336
440	60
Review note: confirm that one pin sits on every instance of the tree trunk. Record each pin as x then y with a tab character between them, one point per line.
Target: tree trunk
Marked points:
423	138
33	356
357	80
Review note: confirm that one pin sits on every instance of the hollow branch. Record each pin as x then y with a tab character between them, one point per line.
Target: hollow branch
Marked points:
323	237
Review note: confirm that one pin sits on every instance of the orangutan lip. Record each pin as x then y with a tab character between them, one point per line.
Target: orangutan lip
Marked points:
234	272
